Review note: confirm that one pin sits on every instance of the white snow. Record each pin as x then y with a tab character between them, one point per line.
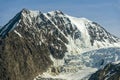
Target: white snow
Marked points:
82	59
18	33
83	74
81	66
57	62
80	23
116	62
53	13
54	24
34	13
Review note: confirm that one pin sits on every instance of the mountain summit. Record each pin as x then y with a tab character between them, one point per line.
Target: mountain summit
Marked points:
33	41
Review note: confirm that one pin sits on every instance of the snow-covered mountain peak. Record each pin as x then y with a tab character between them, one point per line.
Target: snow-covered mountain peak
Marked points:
79	31
80	23
31	13
79	19
85	19
56	12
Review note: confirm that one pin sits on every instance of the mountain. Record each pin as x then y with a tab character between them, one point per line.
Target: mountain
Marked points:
34	42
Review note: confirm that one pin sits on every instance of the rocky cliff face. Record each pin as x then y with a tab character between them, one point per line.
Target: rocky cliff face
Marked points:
26	46
21	59
29	39
109	72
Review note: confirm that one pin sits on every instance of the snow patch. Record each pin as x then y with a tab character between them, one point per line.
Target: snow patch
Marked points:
18	33
34	13
116	62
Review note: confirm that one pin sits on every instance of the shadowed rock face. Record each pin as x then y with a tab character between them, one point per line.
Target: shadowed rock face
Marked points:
109	72
21	59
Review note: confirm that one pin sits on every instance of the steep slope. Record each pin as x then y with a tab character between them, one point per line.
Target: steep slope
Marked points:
110	72
93	33
21	59
33	41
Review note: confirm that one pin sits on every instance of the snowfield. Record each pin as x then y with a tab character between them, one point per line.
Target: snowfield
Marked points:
81	66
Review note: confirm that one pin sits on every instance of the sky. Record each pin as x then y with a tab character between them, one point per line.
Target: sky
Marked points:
104	12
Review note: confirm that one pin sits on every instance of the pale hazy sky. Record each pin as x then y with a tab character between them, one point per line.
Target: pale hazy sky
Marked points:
104	12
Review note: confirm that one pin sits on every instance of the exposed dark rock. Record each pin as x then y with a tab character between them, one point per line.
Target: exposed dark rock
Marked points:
25	54
109	72
21	59
100	34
